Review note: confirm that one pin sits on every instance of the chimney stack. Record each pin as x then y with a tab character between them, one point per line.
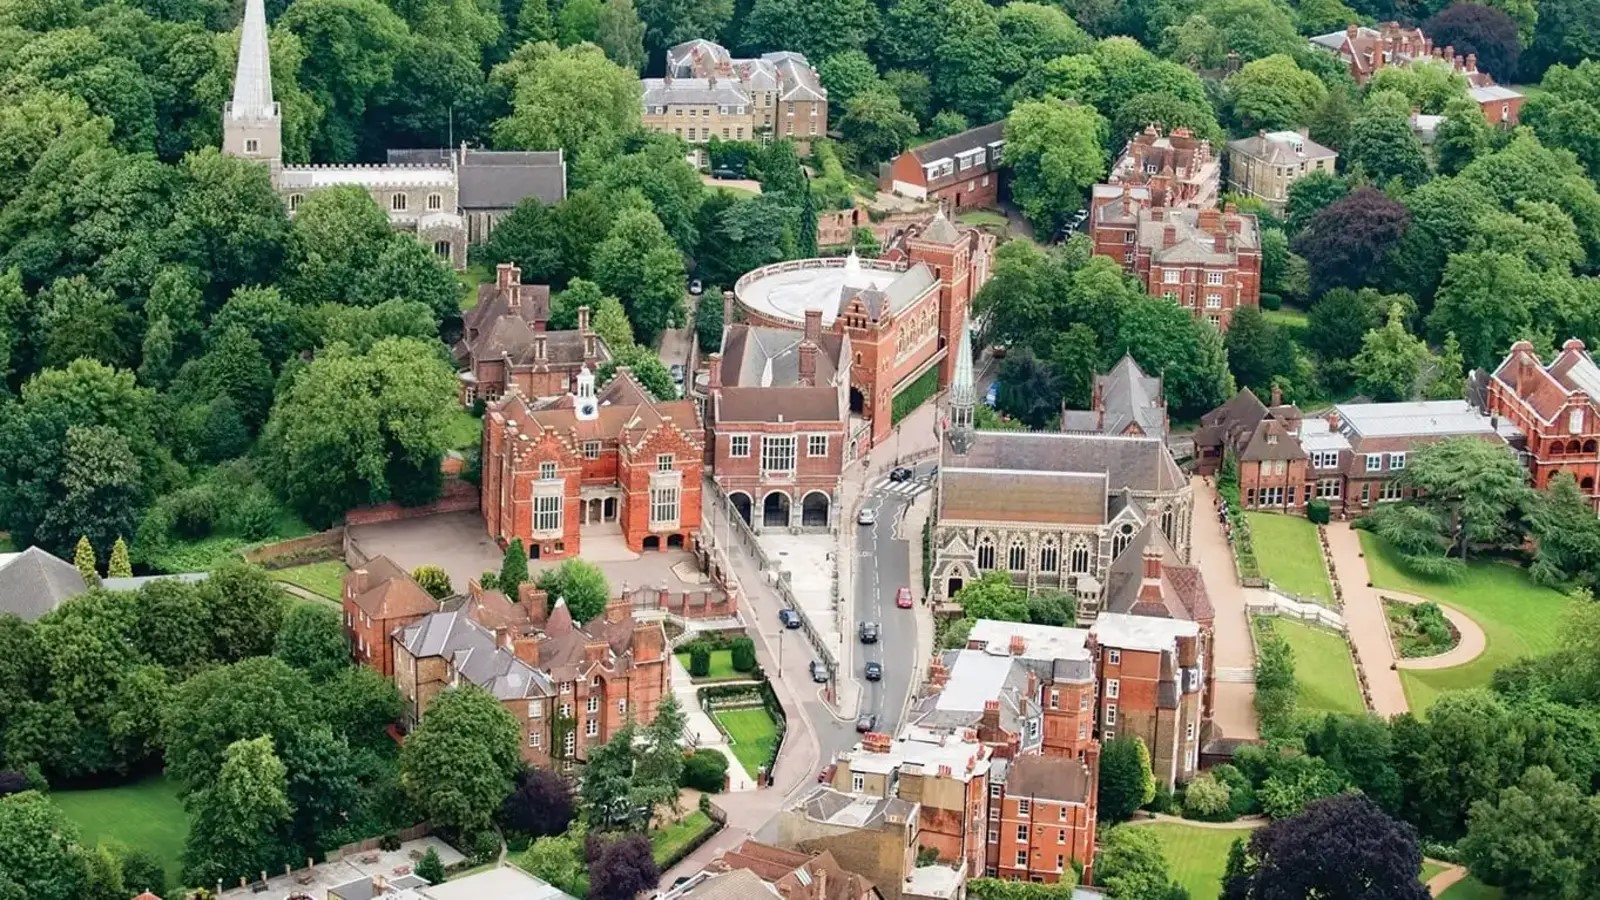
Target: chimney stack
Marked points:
1019	645
1169	236
813	325
507	275
808	363
1277	395
583	319
1351	30
1219	241
727	310
713	371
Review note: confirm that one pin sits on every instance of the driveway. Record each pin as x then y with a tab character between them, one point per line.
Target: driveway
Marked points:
1235	712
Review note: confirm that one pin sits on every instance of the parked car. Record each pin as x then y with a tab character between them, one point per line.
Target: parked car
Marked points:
992	398
789	618
819	672
900	473
724	173
867	516
874	671
869	632
902	598
695	287
677	373
866	722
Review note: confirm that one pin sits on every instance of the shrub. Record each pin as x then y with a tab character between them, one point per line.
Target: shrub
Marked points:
699	662
1208	800
434	580
389	842
1163	802
927	856
1318	513
254	514
194	511
1271	301
430	868
744	655
1241	794
705	770
485	846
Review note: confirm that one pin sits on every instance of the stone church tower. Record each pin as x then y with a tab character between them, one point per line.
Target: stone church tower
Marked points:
252	126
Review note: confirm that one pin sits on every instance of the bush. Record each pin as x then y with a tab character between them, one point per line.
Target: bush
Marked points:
705	770
1164	801
485	846
1275	681
1271	301
1318	513
254	514
430	868
389	842
744	655
1241	794
699	661
194	511
1207	800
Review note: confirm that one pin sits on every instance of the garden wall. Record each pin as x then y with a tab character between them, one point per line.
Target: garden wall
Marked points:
458	496
311	548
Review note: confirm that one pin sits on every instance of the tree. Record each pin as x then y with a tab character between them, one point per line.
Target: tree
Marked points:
1053	608
1258	350
706	770
1482	30
1462	137
606	787
670	22
119	566
82	321
1207	799
37	848
1272	93
1331	122
430	868
573	99
1360	749
658	769
1056	151
640	264
1566	111
1252	29
1384	148
1132	864
993	597
699	661
1534	839
1164	337
351	48
581	584
1341	846
816	28
1347	243
645	367
1567	533
406	270
143	870
83	559
228	224
459	764
247	610
351	428
621	34
1471	484
239	822
1427	85
847	74
742	654
1296	782
312	639
337	237
224	704
578	22
1391	360
1487	299
434	580
624	868
513	569
1125	779
966	69
540	805
1309	196
874	123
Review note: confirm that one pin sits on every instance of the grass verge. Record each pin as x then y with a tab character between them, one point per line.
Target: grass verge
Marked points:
323	578
667	843
1470	888
143	815
1290	555
1324	674
1196	857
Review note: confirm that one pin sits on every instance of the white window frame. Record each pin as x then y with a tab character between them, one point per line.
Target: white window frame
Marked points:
1397	461
1114	656
1325	459
547	471
1329	488
251	145
816	445
665	462
1374	462
1024	806
1022	859
1113	688
591	449
534	739
778	454
1213	278
535	709
1171	276
592	728
739	446
858	782
570	743
548	513
664	504
593	704
1111	714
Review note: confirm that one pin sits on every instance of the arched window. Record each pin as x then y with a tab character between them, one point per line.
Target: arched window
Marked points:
986	554
1166	524
294	202
1017	557
1121	540
1049	556
1588	446
435	202
1558	448
1080	555
1587	484
1573	446
397	203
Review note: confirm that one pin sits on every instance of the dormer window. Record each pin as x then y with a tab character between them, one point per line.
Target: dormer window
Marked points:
1271	438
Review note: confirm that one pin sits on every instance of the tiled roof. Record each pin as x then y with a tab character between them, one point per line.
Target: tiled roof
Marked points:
790	404
1280	148
1051	498
1129	396
626	409
391	592
700	91
1143	464
472	651
494	303
762	356
1048	778
1183	593
33	583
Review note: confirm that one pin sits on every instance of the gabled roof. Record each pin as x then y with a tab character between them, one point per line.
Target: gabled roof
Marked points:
472	652
971	139
532	304
1182	592
627	412
1130	397
1048	778
762	356
34	582
391	592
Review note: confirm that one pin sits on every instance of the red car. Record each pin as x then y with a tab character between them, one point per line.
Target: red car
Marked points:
902	598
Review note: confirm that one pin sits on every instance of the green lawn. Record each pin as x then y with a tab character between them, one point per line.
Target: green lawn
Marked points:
1470	888
470	279
1196	857
752	735
982	218
325	578
1325	676
7	545
1519	618
721	666
144	815
465	430
1290	555
665	843
1291	320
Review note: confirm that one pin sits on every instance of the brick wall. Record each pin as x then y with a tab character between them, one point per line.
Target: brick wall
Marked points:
322	545
458	496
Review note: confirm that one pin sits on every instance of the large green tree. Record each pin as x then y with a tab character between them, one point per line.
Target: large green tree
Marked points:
1272	93
1537	838
1391	360
38	849
572	99
1125	780
458	765
639	264
580	584
1056	151
816	28
351	49
239	820
1471	483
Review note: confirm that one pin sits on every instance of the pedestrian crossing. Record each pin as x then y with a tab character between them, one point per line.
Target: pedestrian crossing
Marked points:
909	488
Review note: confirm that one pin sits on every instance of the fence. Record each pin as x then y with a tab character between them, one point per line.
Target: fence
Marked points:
742	536
405	834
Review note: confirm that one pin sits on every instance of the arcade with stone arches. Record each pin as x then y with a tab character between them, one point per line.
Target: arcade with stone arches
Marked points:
778	510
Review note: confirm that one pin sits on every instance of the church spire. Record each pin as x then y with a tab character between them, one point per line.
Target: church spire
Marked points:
252	80
963	395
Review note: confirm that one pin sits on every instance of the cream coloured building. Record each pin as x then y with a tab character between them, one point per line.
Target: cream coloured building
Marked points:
706	93
1265	165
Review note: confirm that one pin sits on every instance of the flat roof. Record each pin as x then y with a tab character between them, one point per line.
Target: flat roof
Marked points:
503	883
1422	417
788	290
1126	632
928	754
1042	641
1317	434
976	678
934	881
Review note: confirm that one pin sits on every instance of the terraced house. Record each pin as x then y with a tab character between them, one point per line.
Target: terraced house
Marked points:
707	93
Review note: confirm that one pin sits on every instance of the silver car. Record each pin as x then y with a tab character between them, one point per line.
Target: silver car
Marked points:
867	516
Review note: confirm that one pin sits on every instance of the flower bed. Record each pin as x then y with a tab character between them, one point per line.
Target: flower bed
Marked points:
1419	629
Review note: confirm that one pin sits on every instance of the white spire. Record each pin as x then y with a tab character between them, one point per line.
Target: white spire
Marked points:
963	388
252	80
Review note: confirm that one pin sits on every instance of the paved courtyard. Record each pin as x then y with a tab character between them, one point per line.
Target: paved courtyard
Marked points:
808	558
458	543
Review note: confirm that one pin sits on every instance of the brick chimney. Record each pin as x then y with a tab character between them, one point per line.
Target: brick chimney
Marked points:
534	601
937	673
808	347
1219	242
1019	645
819	877
946	772
1277	395
714	371
1150	581
357	582
1169	236
1472	62
1351	30
507	275
583	320
595	651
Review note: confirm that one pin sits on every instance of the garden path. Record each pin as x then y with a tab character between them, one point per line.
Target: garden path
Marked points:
1235	711
706	733
1471	645
1446	880
1368	626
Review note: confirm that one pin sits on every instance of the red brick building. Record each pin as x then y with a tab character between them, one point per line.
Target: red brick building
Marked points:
960	171
378	598
619	461
1042	818
506	340
1502	106
1176	169
777	416
901	313
1366	50
1556	409
570	686
1207	260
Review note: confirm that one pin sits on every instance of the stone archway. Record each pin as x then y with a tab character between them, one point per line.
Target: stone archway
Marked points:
674	542
814	510
952	587
741	505
775	510
651	542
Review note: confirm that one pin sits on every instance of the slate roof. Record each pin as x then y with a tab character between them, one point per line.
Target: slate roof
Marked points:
495	303
1124	396
1183	592
1194	244
738	884
698	91
1048	778
1141	463
626	409
761	356
1278	148
34	582
971	139
490	180
472	651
